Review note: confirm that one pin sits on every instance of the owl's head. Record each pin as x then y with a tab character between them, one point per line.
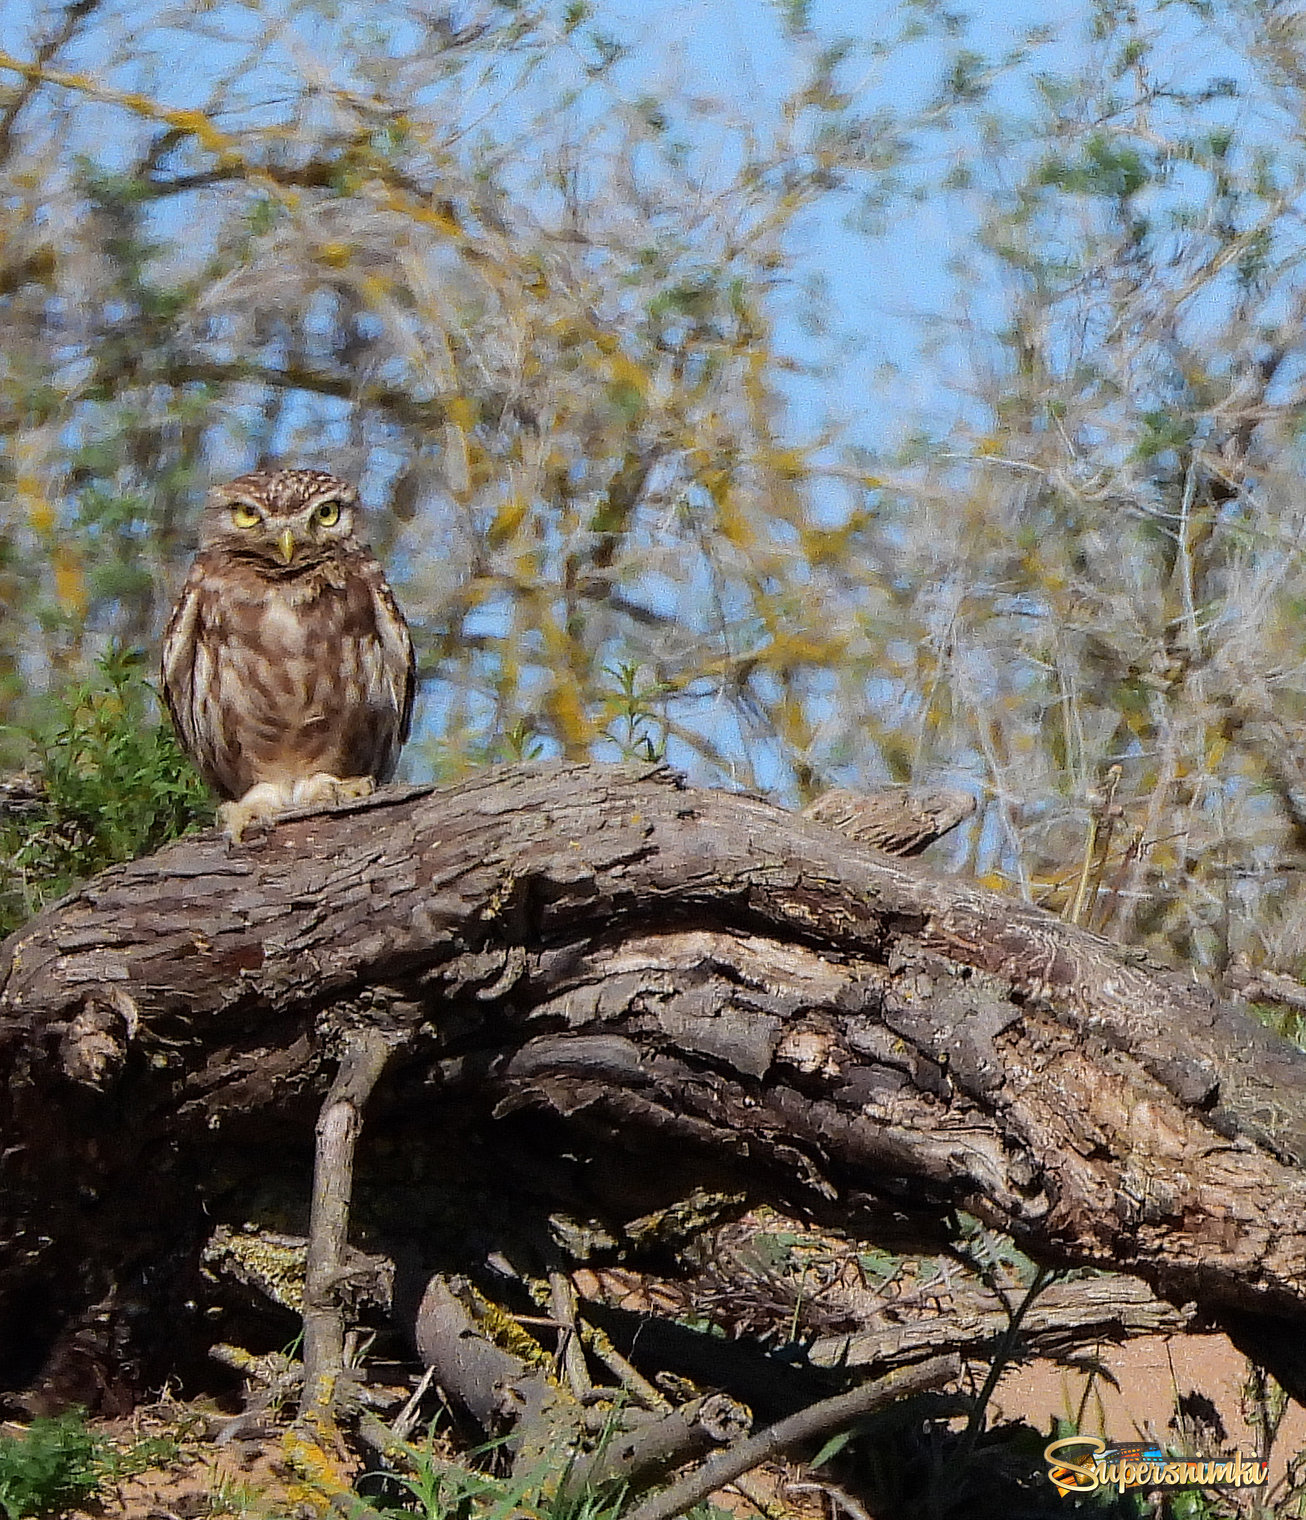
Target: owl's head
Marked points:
283	520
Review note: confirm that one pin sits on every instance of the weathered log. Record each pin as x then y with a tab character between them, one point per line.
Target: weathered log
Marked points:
896	820
684	982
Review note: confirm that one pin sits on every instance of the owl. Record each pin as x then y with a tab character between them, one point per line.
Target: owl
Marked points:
287	665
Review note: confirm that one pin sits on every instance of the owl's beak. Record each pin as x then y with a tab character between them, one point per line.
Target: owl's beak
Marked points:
286	543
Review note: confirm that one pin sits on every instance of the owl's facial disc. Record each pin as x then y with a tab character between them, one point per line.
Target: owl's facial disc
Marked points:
286	520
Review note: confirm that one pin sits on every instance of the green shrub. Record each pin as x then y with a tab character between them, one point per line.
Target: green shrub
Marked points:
112	783
53	1465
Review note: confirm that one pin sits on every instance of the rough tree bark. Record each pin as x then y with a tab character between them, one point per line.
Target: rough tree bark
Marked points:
646	986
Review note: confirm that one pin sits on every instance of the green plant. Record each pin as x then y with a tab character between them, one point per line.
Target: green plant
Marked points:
634	723
144	1454
54	1464
241	1500
113	784
443	1490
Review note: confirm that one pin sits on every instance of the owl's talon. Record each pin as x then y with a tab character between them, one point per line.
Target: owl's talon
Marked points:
234	820
260	804
355	787
325	790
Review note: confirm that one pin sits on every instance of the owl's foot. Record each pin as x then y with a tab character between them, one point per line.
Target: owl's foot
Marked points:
325	790
261	804
269	799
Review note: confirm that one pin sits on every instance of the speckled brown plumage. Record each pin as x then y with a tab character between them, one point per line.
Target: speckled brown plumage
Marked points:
287	665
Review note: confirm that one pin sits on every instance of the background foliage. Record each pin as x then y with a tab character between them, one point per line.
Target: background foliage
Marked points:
552	319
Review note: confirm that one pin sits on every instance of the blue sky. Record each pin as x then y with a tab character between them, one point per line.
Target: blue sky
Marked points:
883	289
880	288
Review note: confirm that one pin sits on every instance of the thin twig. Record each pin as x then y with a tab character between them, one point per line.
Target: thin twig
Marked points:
362	1061
408	1414
836	1496
562	1300
634	1382
815	1420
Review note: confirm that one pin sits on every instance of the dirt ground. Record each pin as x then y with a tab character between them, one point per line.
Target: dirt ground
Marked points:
1151	1380
1184	1388
250	1480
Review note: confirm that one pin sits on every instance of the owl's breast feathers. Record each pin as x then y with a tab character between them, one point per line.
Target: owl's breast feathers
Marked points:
278	677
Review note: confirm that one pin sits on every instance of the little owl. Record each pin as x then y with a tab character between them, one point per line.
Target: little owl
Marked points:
287	666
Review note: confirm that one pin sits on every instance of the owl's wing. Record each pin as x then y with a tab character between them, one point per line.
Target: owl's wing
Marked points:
398	668
177	666
191	643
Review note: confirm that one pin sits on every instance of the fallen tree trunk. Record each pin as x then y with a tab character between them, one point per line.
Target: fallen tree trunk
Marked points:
657	987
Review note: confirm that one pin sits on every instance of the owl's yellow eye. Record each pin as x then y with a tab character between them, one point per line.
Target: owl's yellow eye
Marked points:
328	513
245	517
